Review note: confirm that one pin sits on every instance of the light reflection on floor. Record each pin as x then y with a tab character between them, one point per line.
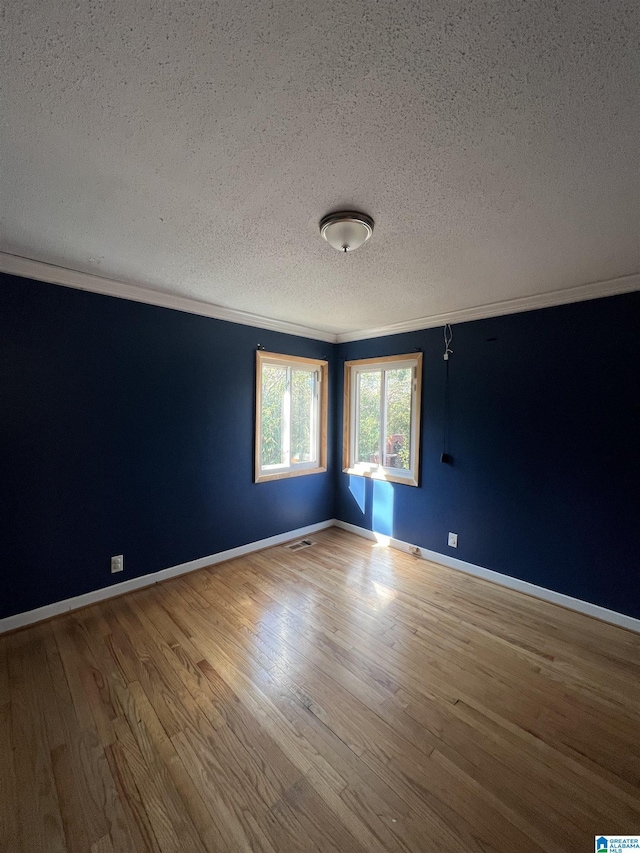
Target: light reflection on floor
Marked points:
281	623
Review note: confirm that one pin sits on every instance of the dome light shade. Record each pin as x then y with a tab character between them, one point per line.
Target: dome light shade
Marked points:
346	230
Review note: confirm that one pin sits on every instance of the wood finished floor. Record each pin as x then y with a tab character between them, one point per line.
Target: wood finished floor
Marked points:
342	698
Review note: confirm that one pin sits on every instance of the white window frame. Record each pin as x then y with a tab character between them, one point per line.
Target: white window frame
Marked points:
352	370
288	468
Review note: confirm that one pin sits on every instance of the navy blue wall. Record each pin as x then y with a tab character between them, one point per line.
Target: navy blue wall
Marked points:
128	429
545	439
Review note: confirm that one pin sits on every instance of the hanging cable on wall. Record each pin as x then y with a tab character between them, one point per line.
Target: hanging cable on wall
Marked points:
448	337
445	456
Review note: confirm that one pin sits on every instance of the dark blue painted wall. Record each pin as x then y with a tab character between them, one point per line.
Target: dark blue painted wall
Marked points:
128	429
545	439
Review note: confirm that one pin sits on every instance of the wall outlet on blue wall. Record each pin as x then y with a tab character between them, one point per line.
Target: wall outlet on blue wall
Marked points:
453	540
117	564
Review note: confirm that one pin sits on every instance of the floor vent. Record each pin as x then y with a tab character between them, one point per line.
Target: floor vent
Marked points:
303	543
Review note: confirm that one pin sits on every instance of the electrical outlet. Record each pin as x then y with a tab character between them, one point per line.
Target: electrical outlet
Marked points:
117	564
453	540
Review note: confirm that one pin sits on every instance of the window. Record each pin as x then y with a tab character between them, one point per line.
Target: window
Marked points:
382	417
291	416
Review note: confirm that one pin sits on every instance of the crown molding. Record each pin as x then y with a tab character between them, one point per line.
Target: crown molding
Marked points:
595	290
27	268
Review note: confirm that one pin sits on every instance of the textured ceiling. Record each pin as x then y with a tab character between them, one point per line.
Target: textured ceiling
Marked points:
192	147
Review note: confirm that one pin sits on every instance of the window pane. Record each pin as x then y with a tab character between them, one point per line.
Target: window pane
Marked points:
274	387
369	392
398	418
302	415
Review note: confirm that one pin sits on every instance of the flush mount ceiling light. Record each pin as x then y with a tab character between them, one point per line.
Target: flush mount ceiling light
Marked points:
346	230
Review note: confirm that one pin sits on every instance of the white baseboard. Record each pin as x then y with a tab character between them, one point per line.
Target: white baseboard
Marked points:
612	616
20	620
10	623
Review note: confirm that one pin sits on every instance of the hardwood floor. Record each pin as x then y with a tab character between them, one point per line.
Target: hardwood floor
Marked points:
346	697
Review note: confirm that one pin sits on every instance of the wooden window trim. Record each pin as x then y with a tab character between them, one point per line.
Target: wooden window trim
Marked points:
380	472
323	369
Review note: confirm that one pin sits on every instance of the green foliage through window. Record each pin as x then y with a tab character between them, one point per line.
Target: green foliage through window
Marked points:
302	400
384	417
288	415
291	416
274	385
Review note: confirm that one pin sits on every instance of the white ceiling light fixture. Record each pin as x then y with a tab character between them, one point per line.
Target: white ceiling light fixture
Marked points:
346	230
